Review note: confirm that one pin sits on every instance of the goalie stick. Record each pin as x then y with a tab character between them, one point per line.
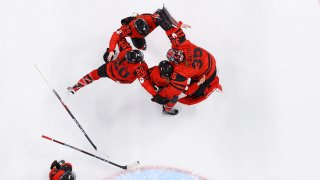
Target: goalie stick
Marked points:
92	155
66	107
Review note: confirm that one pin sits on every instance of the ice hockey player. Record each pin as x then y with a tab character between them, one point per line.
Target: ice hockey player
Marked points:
159	78
126	68
190	61
137	28
61	171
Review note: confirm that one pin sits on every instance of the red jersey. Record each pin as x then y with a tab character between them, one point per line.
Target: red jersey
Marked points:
197	62
120	70
155	79
55	174
130	30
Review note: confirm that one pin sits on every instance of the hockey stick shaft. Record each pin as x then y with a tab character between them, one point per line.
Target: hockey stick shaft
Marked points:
66	108
92	155
170	18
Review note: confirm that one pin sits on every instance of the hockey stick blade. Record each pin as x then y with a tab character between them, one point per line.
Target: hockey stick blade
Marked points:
92	155
133	165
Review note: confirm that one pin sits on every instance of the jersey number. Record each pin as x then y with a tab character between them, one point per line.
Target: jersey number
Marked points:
140	71
197	54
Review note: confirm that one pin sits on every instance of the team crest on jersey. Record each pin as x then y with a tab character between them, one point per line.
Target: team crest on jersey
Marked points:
174	35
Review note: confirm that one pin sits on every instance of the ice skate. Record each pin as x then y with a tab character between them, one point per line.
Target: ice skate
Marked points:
171	111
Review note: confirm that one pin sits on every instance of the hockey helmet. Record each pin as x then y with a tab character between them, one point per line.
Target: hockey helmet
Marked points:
141	26
175	55
165	68
134	56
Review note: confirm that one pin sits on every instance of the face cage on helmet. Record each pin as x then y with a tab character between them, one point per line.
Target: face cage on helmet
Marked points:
141	30
166	71
164	75
135	59
175	56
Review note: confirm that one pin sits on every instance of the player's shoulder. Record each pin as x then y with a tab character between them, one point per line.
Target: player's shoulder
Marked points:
144	15
125	30
140	65
153	71
183	69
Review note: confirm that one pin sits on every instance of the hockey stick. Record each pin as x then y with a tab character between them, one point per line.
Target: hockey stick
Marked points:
67	109
119	166
169	16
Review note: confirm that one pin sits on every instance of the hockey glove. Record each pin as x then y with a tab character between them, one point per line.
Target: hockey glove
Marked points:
163	21
160	100
108	56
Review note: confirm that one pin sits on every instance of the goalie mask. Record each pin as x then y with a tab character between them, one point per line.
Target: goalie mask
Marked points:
134	56
175	55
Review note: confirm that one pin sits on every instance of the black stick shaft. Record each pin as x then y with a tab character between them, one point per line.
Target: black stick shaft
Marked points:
67	109
72	147
74	119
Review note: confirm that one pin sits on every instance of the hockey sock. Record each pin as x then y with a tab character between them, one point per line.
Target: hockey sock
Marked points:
87	79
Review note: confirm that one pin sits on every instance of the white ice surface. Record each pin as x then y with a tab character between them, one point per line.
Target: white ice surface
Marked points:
265	125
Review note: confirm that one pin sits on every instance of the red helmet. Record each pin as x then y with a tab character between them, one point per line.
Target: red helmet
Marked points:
175	55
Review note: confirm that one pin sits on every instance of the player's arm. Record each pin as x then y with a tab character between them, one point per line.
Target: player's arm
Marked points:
194	86
52	173
124	45
177	85
55	166
172	28
144	79
176	36
118	35
122	32
156	17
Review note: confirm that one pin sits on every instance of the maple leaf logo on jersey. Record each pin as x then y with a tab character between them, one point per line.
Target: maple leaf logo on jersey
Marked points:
174	35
